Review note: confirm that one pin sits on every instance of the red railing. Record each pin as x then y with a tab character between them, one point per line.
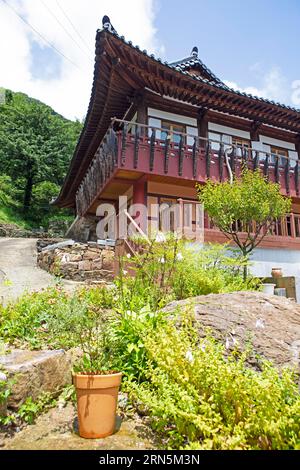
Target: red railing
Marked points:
149	150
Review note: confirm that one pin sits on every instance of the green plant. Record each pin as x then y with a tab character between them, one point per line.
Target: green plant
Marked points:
246	210
176	269
199	396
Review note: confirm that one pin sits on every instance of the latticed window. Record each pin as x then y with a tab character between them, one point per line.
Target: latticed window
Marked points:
172	129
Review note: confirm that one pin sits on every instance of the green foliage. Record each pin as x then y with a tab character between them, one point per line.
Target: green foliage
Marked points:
129	331
251	204
36	146
202	397
6	190
175	270
31	409
32	321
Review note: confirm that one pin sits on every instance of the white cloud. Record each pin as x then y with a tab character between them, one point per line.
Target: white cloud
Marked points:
69	92
296	92
274	86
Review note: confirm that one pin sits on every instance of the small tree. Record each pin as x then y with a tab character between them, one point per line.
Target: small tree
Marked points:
245	210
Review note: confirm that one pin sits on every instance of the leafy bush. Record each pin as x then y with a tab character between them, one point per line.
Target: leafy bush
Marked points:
173	269
200	397
31	320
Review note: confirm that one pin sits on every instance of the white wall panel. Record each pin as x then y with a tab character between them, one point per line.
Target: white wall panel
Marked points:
156	113
228	130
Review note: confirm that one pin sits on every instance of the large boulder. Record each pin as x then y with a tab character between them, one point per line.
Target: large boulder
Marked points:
35	372
270	324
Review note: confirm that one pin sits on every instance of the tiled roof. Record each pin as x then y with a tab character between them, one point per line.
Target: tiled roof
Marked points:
193	62
215	82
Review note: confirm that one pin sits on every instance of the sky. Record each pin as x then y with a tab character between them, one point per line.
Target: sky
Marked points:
251	45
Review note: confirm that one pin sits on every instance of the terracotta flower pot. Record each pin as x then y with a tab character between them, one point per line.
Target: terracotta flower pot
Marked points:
276	273
97	398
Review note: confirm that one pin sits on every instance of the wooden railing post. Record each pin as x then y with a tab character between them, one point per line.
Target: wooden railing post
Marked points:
180	155
136	147
207	158
124	144
166	161
266	166
277	173
296	173
293	228
256	160
233	160
152	149
287	175
221	160
195	156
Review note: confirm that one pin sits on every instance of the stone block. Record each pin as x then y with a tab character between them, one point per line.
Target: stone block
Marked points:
108	260
35	372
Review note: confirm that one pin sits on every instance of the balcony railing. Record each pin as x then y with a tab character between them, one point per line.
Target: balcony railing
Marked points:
137	147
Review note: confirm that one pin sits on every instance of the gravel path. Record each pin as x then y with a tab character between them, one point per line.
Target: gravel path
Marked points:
18	269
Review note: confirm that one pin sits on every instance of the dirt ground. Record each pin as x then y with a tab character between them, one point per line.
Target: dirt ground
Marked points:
19	271
57	430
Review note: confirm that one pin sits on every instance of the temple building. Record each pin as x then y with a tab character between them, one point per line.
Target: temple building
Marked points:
154	129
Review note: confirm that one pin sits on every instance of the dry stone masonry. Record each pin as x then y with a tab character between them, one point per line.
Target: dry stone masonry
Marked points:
78	261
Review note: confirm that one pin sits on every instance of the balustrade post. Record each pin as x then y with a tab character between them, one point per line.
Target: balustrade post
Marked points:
152	149
296	173
287	175
166	161
195	156
181	155
256	160
293	228
207	158
124	144
136	147
221	160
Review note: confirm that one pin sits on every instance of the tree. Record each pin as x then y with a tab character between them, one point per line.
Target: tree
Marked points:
245	210
36	144
6	190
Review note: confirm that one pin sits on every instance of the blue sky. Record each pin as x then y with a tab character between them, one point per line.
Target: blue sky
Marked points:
241	41
252	45
234	34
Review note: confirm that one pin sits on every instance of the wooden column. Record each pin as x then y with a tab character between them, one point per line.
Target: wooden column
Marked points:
142	115
298	146
255	130
140	197
202	123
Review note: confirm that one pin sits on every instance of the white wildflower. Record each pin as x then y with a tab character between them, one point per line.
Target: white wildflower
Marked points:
260	324
128	255
179	257
130	314
160	238
189	356
162	260
125	272
3	377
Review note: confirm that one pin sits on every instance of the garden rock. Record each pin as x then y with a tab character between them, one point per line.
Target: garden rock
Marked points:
270	324
35	372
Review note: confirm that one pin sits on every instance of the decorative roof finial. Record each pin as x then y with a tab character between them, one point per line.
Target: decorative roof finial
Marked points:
195	51
107	24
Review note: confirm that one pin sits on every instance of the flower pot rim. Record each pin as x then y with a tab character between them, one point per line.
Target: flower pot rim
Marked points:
81	374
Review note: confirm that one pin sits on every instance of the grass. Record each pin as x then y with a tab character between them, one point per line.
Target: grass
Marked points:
9	215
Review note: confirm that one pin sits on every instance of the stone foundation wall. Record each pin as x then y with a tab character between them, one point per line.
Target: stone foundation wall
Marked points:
79	262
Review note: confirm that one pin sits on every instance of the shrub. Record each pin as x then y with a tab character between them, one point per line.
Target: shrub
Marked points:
176	269
199	397
32	320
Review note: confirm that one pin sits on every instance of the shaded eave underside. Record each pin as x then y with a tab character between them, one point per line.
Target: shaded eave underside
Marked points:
121	70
